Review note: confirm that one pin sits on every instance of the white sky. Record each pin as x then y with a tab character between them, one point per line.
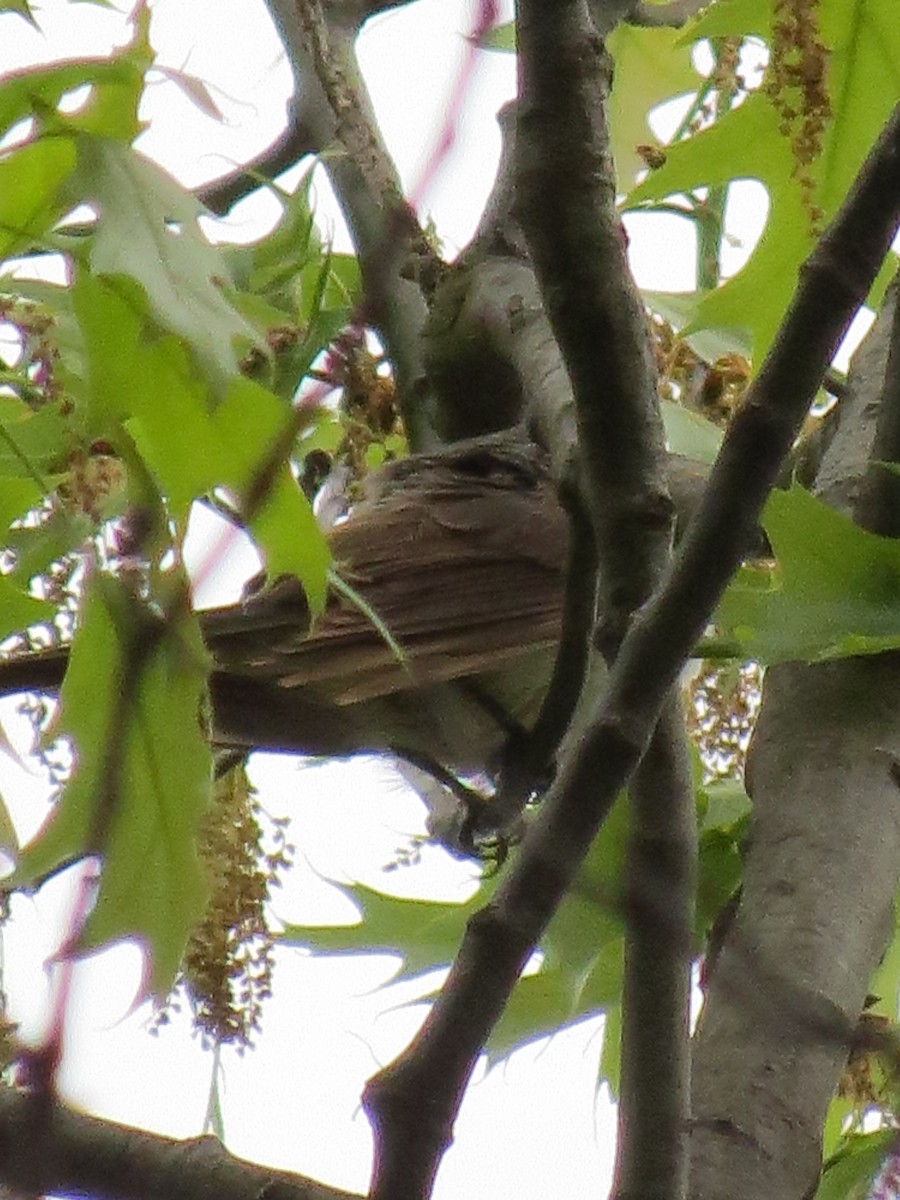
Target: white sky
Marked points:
534	1127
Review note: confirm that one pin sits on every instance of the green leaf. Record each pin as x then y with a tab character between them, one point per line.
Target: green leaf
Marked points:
31	181
651	65
37	548
54	303
136	378
270	266
9	838
251	422
500	37
737	18
32	443
725	803
18	609
547	1001
17	497
834	593
292	365
721	868
744	142
324	432
611	1054
690	434
850	1174
288	281
581	968
116	86
841	1110
21	8
290	270
863	83
148	229
192	447
425	934
885	981
724	813
681	310
345	282
131	703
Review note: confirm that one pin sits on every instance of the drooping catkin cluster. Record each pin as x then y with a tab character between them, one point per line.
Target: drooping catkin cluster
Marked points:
227	971
796	83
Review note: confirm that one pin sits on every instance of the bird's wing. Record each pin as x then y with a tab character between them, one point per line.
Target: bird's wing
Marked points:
465	575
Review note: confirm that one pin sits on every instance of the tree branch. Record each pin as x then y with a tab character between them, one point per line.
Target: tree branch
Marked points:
595	311
294	143
661	883
579	250
395	259
80	1155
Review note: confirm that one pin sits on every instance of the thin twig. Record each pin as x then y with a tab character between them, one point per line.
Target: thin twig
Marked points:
294	143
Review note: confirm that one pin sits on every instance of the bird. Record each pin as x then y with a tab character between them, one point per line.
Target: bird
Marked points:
461	555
